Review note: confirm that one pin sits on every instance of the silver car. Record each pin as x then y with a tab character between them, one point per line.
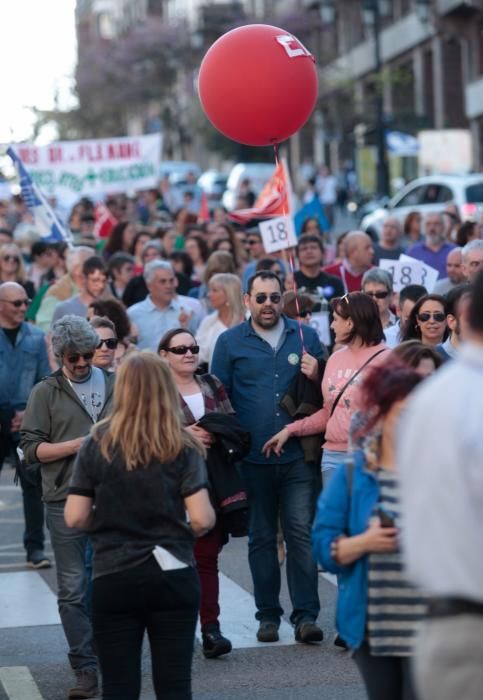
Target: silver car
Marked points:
430	194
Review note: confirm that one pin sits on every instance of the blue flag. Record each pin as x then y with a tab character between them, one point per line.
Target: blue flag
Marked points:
311	210
45	220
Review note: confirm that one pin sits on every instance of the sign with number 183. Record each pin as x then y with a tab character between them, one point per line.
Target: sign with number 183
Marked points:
278	234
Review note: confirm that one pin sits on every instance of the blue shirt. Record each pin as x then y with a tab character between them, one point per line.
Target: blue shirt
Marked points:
153	322
22	365
420	251
256	377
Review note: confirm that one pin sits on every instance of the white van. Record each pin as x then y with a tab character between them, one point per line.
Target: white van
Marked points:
257	173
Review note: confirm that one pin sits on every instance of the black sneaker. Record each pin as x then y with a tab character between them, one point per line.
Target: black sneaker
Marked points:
268	631
38	560
86	686
214	643
339	642
308	632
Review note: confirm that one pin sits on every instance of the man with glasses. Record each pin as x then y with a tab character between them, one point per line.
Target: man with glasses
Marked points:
257	361
23	362
377	284
60	412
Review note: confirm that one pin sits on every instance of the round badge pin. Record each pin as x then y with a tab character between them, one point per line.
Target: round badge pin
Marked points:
293	358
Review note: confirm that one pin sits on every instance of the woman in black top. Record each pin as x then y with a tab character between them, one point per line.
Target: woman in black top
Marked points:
142	470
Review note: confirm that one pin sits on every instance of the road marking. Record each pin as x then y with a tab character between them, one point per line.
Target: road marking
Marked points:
19	684
237	618
26	601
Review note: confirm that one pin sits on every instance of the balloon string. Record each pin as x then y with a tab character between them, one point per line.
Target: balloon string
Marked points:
290	259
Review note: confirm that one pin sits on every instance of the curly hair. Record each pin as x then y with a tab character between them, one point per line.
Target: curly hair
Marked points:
73	334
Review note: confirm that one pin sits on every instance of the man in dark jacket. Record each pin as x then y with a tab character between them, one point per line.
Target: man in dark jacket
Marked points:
60	412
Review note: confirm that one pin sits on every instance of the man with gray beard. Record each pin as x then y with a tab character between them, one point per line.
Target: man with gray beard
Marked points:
434	249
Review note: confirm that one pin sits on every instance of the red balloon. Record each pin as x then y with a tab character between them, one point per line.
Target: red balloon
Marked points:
258	84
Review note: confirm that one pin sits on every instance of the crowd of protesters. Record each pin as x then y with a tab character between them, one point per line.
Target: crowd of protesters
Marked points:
163	366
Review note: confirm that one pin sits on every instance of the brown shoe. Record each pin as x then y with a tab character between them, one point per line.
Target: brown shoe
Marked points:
86	686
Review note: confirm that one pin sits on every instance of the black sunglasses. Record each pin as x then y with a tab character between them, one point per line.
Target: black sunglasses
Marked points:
18	302
438	316
253	241
304	314
87	356
377	295
183	349
11	258
262	298
110	343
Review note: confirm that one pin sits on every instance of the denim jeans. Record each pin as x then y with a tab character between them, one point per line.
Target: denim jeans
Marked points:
69	550
291	491
33	507
330	461
165	603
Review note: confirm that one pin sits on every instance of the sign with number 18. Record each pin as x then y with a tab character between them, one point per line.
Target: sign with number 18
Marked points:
278	234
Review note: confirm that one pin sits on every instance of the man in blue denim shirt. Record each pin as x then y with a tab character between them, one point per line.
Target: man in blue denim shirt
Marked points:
23	361
257	361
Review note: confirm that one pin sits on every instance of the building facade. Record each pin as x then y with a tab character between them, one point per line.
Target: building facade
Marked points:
428	69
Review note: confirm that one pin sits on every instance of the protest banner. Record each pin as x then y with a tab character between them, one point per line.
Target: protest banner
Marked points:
69	170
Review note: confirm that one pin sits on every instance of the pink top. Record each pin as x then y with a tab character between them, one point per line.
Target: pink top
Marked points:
339	369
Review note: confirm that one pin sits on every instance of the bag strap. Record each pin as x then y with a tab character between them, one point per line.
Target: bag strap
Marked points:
347	384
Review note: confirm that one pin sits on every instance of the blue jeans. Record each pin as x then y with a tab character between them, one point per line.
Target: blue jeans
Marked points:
145	598
330	461
69	549
291	491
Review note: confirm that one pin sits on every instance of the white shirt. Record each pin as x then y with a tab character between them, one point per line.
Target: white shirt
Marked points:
153	322
207	335
193	306
196	404
392	334
440	460
327	188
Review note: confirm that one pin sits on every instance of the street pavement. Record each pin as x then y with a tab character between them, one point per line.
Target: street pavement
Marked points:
33	652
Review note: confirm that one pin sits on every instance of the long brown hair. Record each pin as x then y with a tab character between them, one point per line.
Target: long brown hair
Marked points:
146	421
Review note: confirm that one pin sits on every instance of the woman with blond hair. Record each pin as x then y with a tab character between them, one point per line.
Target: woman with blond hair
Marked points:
12	268
142	470
225	297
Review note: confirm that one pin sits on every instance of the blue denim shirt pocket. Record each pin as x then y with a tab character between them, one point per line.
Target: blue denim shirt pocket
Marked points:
28	370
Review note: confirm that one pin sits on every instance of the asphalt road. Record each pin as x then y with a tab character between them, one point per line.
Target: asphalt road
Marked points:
33	661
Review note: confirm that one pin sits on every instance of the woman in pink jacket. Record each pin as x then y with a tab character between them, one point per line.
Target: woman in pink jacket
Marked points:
357	326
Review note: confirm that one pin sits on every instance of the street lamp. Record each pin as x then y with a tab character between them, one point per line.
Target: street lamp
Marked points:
373	11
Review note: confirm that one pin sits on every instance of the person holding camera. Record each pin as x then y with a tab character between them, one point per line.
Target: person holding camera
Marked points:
356	536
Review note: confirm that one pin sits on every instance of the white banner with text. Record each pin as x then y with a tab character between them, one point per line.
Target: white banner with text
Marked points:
70	170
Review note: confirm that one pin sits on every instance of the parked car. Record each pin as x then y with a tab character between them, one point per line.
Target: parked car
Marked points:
256	173
213	183
430	194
